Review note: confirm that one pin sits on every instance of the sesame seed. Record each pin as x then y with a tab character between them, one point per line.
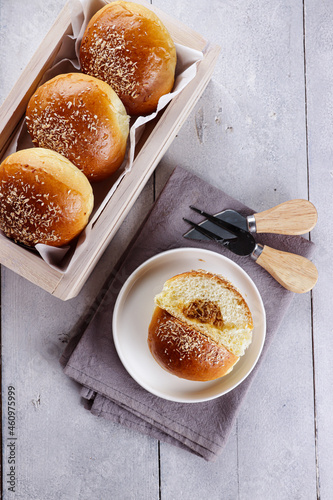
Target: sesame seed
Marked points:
112	64
187	342
22	218
64	127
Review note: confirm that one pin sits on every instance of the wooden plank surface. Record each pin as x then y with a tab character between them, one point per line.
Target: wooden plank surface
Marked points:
261	132
319	51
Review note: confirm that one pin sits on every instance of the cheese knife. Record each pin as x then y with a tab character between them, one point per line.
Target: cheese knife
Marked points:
292	217
294	272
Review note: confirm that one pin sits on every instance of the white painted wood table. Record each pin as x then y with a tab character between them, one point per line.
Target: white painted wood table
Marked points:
263	133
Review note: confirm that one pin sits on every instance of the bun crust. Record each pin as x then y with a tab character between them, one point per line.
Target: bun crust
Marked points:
83	119
185	352
127	46
200	327
44	198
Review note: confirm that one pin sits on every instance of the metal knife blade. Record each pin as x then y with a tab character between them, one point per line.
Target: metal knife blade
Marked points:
228	215
294	272
238	241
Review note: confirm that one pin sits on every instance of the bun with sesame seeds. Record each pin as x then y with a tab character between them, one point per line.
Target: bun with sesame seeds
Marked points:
83	119
126	45
185	352
200	327
44	198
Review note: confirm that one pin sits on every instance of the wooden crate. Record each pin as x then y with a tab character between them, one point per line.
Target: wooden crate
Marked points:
151	148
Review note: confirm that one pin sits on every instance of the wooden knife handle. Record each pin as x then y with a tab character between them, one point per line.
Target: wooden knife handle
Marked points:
294	272
290	217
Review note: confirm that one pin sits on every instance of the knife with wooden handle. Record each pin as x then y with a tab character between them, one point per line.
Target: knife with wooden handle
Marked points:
292	217
294	272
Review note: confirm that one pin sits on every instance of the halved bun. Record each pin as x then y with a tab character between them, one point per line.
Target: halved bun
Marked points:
126	45
83	119
200	327
44	198
185	352
210	304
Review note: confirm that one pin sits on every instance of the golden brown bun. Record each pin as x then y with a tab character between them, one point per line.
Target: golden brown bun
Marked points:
83	119
44	198
185	352
200	327
127	46
210	304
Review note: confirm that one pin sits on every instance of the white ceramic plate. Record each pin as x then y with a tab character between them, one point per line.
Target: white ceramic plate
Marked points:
133	312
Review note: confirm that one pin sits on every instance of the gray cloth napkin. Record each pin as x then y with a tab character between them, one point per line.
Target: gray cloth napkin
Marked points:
91	358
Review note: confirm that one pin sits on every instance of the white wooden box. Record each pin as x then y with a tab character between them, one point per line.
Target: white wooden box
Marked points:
153	144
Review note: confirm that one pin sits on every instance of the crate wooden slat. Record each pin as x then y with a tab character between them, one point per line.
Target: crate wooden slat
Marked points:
150	150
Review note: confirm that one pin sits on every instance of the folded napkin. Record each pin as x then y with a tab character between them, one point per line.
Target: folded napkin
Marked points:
91	358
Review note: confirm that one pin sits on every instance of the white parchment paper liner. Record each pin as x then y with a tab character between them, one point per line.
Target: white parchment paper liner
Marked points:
67	61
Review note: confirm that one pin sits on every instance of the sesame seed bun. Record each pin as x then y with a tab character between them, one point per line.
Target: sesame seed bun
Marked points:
83	119
185	352
44	198
201	326
127	46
